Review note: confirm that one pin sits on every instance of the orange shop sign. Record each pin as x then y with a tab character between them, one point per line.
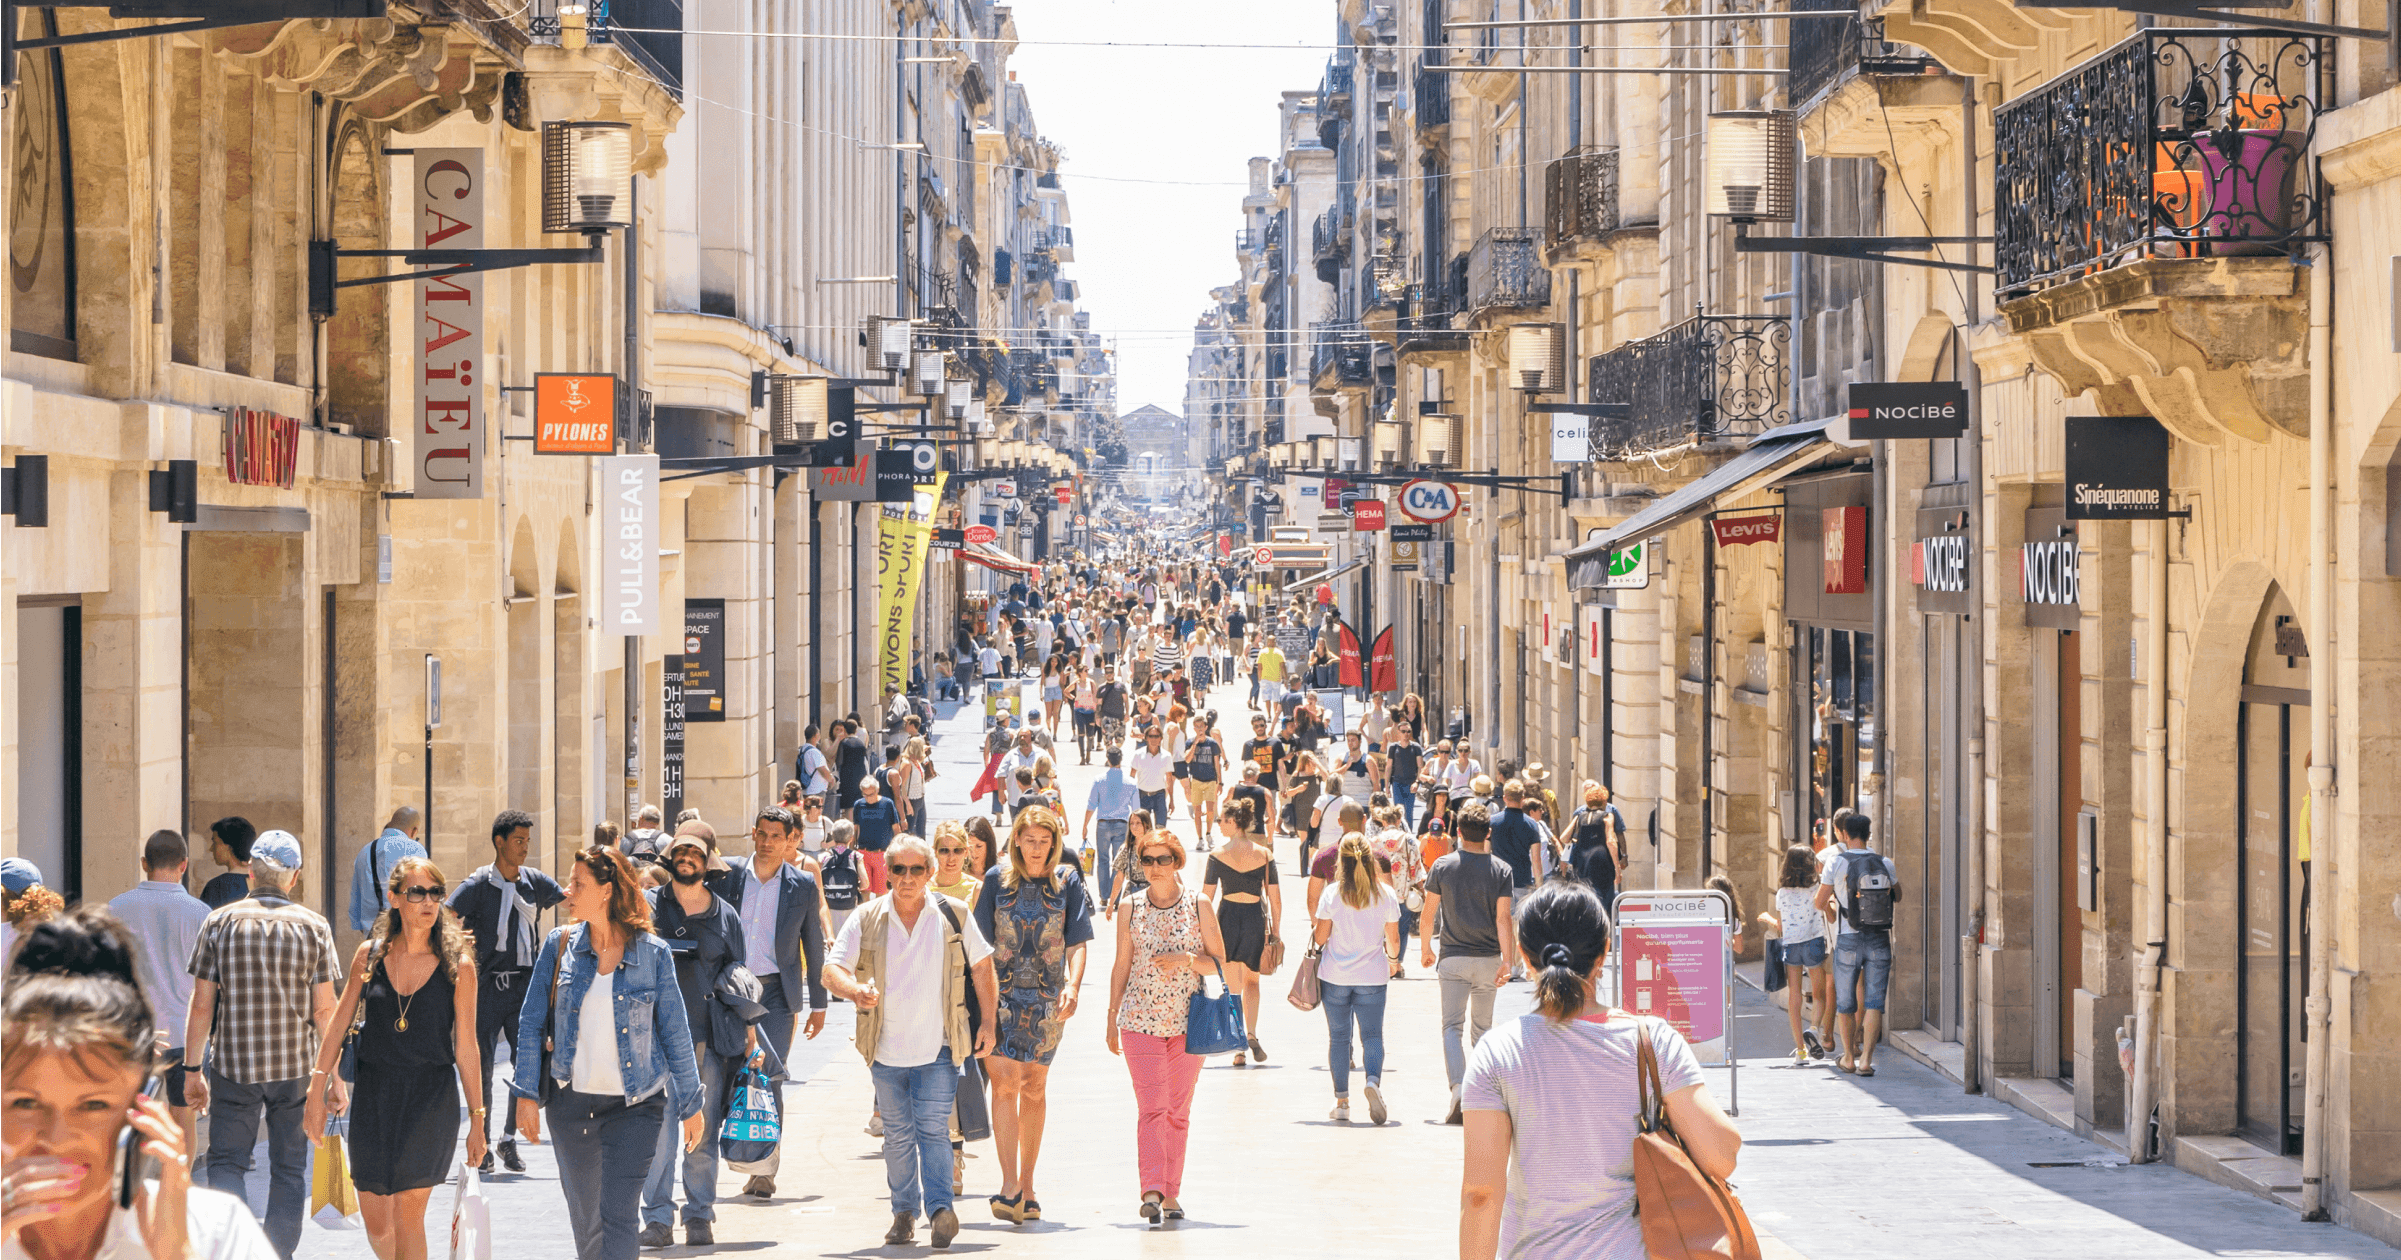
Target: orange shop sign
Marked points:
575	414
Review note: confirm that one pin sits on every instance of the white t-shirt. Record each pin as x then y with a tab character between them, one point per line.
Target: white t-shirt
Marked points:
216	1225
1354	950
989	658
1833	873
1329	825
1463	772
912	984
1796	909
596	1030
1152	771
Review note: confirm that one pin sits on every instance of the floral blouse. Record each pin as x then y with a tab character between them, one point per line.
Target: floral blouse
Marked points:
1156	1000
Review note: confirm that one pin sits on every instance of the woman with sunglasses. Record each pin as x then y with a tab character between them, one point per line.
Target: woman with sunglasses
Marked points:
1035	910
1169	941
953	877
410	1008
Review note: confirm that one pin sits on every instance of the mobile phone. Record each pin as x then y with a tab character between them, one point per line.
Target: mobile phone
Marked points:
129	1152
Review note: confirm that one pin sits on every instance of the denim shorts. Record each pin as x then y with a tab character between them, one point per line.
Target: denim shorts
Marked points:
1857	953
1805	954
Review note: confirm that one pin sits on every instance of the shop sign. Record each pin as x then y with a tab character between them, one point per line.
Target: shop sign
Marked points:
1629	568
1063	494
448	190
2050	570
1429	502
853	482
1367	515
1941	561
925	459
671	734
948	539
1571	439
1413	533
704	660
1675	961
1005	489
1735	531
1589	629
629	544
1404	557
2117	468
981	533
261	448
1843	546
895	476
1916	409
574	414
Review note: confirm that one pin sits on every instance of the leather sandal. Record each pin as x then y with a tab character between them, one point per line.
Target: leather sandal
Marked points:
1006	1208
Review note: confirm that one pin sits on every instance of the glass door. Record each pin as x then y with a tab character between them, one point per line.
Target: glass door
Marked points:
2271	900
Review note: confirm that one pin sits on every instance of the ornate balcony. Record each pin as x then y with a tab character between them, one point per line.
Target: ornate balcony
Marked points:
1330	243
1506	272
1579	195
1340	355
2175	144
1712	378
1432	94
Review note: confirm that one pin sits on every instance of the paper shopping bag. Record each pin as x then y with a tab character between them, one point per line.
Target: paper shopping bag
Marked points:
329	1179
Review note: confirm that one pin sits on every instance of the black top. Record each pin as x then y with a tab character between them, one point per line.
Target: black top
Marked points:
1258	798
1267	754
225	890
1201	757
704	945
431	1011
1406	758
1249	883
850	763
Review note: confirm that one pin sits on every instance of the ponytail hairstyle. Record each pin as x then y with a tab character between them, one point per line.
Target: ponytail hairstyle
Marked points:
1358	871
449	941
72	989
1800	868
1564	931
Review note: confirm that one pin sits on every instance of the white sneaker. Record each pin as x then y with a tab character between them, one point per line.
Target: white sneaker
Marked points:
1341	1112
1375	1104
875	1125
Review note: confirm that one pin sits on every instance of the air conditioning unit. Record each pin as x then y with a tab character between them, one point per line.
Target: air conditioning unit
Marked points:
796	409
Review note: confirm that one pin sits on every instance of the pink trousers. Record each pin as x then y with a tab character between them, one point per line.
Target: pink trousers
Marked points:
1163	1079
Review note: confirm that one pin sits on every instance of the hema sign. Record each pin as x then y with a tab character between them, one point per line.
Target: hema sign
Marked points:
629	517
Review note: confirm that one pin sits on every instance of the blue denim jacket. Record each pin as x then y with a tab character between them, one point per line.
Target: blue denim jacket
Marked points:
654	1037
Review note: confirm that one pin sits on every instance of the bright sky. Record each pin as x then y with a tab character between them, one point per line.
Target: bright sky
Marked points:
1147	253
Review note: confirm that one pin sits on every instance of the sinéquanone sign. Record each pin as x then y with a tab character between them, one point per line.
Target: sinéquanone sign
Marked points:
2117	468
1913	409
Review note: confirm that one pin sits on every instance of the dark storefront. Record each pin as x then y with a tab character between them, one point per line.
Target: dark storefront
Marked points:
1829	605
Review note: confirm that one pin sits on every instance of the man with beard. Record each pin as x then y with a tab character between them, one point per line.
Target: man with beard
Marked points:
705	935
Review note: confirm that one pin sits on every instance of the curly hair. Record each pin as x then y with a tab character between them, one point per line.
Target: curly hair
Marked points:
38	904
450	940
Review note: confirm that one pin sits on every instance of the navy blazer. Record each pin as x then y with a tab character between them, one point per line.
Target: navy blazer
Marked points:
799	930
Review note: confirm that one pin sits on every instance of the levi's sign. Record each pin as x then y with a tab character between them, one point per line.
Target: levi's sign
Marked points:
1738	530
1917	409
2117	468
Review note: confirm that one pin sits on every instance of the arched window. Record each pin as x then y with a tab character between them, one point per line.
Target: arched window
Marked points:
41	209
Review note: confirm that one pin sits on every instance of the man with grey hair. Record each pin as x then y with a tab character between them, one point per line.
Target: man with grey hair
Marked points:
908	972
371	874
263	976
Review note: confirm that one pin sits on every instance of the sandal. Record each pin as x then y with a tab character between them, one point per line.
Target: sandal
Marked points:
1150	1206
1258	1052
1175	1213
1864	1069
1238	1060
1007	1208
1031	1210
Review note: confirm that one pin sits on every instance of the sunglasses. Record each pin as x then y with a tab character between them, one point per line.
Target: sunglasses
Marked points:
907	869
949	851
422	893
1158	859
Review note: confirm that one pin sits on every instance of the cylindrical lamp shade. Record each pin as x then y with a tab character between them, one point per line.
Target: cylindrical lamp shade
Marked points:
954	398
887	343
1538	357
587	176
1750	173
926	373
796	409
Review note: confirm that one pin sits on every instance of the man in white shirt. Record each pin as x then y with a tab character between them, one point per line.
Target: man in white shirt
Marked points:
165	920
816	774
1153	768
905	960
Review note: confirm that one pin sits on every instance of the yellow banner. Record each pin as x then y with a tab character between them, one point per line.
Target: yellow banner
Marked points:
902	535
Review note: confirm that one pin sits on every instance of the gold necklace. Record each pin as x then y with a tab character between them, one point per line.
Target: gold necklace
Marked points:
406	1000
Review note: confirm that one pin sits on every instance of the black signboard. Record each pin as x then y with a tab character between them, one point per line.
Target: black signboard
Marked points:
2050	570
1411	533
2117	469
924	460
1915	409
671	737
1942	561
704	660
895	477
948	539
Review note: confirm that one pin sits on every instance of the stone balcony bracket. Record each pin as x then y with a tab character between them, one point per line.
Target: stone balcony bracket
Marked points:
2215	348
1922	111
1970	37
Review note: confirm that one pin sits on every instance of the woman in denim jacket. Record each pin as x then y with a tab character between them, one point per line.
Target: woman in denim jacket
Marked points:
607	1108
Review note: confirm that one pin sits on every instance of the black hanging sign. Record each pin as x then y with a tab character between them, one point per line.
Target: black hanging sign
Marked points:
671	736
2117	469
704	660
895	476
1914	409
1412	533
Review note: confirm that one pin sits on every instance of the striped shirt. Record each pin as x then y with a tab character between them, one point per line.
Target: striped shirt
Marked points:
266	956
1166	653
1571	1096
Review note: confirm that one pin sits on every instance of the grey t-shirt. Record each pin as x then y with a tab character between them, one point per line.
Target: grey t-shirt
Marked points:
1471	886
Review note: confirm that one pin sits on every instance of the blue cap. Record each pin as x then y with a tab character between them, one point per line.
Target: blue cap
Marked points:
17	874
280	847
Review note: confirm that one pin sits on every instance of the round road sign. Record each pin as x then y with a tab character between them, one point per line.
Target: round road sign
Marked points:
1263	557
981	533
1429	502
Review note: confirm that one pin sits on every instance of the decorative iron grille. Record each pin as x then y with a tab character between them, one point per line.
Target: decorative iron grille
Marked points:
1330	242
1708	379
1505	271
2188	143
1819	49
1432	92
1579	194
1343	351
1388	276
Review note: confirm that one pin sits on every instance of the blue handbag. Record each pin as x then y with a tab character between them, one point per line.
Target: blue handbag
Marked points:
752	1126
1213	1025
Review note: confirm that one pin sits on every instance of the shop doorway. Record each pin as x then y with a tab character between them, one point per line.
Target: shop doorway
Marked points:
1837	684
1943	820
247	711
49	698
2272	880
2058	781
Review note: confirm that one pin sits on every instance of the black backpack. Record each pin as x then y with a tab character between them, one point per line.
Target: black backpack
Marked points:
840	867
1872	892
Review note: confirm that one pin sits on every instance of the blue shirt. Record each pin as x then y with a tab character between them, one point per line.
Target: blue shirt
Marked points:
1113	796
166	921
371	874
876	821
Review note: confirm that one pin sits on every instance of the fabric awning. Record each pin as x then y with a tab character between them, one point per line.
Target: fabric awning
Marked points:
994	558
1322	575
1769	456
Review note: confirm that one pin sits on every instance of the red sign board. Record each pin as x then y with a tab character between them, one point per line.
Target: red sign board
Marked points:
1367	515
1734	531
1844	545
1065	493
1263	557
261	448
981	533
574	414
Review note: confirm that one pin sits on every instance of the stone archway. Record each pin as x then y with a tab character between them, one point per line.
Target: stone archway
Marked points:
523	788
569	705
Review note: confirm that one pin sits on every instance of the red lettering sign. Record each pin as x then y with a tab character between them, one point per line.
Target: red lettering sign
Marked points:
1844	546
1734	531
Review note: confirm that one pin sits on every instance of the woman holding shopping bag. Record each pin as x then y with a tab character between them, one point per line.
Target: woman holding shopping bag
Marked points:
1167	942
410	1007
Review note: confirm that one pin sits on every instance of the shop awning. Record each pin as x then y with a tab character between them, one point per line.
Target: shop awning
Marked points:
994	558
1322	575
1769	456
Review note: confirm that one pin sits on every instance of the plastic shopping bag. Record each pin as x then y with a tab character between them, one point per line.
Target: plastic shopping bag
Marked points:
753	1124
470	1218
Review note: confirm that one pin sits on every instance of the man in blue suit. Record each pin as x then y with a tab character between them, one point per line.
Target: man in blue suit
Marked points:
784	938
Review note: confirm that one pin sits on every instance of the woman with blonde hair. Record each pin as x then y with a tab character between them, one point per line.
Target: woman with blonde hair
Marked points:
1358	936
1169	941
410	1007
1038	916
909	781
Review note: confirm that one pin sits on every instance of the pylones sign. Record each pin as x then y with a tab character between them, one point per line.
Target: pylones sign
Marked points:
449	439
629	544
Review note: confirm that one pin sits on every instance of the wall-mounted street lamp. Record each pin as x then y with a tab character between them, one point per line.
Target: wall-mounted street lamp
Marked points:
1538	357
927	370
955	398
1752	178
887	339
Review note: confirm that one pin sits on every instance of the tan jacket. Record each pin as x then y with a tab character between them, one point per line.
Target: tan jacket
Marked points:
875	920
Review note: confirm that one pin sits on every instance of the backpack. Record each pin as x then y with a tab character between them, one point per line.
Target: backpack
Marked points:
840	867
1871	893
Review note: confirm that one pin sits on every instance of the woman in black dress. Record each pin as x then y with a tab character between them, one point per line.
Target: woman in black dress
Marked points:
410	1005
1241	878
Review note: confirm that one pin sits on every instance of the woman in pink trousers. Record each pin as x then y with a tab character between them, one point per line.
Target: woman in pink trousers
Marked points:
1166	942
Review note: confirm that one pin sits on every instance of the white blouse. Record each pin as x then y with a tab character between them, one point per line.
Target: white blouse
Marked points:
596	1030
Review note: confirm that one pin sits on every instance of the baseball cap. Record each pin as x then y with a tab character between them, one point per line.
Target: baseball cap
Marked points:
280	847
17	874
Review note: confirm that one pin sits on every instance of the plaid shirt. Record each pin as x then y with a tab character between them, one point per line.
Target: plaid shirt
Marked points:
266	958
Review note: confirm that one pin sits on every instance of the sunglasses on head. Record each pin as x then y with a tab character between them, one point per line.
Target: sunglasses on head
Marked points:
421	892
908	868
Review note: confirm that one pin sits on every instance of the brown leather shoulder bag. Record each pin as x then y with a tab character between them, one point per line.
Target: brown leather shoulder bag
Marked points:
1685	1213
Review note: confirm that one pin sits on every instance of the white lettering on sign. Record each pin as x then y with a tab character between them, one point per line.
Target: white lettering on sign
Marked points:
1942	563
2050	572
2102	496
630	544
449	437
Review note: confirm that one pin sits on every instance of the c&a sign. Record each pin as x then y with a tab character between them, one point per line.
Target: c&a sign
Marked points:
449	437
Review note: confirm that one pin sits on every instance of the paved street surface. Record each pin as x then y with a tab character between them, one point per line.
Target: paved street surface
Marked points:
1902	1166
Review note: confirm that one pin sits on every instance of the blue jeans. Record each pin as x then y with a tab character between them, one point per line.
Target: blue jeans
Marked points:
1155	804
1405	796
699	1167
1857	955
1344	1003
915	1104
234	1111
1109	835
604	1154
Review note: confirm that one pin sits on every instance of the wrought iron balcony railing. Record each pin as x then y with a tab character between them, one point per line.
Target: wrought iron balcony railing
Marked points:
1432	93
1340	354
1330	242
1334	93
1579	194
1505	272
1711	378
651	32
2177	143
1819	50
1246	240
1388	278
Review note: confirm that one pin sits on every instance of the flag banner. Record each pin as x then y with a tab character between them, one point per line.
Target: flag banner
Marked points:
1346	651
903	539
1383	672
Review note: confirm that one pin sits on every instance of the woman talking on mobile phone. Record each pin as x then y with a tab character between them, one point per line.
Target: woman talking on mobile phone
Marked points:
79	1044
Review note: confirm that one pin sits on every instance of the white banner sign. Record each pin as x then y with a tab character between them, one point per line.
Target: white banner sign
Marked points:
629	546
449	194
